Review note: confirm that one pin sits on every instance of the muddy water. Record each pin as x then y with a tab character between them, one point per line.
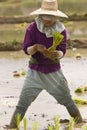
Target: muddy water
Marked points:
74	69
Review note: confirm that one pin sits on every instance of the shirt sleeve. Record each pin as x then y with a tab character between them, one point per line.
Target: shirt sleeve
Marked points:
62	46
29	38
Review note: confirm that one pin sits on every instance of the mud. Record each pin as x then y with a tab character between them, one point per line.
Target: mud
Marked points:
45	107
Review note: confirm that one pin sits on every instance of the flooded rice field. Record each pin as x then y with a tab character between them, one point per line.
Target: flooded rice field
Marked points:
10	32
73	68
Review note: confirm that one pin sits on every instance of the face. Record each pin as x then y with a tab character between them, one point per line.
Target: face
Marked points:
48	20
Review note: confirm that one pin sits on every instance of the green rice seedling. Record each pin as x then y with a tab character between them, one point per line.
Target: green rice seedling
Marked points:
71	124
57	38
18	118
57	122
50	127
81	89
79	101
84	127
25	123
34	125
22	25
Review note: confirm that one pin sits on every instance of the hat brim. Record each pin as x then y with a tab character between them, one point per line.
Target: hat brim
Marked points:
57	13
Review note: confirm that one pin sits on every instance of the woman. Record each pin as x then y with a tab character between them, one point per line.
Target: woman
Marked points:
44	65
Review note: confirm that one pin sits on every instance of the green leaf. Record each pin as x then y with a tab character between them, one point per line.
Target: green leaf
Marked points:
57	38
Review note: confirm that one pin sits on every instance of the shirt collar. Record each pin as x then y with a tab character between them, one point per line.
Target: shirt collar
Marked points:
56	27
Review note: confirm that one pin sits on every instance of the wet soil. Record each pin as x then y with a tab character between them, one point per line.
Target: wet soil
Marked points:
45	107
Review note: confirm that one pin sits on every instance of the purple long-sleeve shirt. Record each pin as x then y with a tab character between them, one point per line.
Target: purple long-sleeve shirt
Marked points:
33	36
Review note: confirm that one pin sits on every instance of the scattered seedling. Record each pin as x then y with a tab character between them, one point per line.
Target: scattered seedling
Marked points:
56	125
84	127
50	127
79	101
18	119
25	123
81	89
19	73
57	122
34	125
71	124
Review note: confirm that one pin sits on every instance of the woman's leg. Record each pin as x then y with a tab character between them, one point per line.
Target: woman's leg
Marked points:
74	111
60	91
29	93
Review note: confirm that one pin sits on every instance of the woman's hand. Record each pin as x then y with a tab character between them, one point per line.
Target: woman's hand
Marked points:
36	47
53	55
40	48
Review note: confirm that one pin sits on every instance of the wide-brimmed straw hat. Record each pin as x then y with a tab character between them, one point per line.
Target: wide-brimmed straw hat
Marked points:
49	7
